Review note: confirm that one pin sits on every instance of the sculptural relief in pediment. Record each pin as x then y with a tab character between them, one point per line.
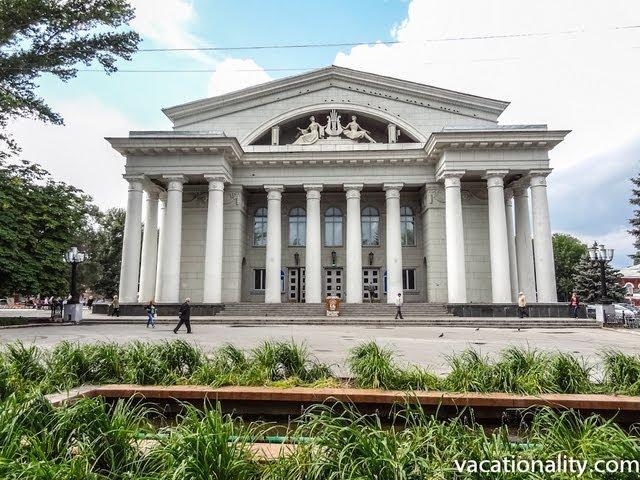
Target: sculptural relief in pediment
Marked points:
327	128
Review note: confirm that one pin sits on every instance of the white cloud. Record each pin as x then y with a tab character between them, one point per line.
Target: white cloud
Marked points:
586	82
77	153
167	23
234	74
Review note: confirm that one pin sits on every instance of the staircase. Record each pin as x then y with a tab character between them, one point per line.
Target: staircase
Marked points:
296	310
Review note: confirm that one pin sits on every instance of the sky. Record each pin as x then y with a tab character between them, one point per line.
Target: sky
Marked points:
572	64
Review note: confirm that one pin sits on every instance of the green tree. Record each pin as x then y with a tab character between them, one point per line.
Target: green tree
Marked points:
587	283
635	221
54	36
567	252
39	220
106	252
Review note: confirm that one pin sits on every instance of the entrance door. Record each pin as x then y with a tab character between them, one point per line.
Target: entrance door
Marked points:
370	277
333	281
296	290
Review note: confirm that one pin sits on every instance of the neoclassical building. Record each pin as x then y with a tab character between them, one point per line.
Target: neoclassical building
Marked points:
338	182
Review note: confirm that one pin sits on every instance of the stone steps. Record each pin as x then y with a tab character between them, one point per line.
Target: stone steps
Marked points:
443	322
317	309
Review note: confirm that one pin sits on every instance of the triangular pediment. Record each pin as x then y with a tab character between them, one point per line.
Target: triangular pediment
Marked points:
339	79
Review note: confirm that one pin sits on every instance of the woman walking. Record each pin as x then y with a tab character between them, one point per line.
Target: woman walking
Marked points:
574	303
115	306
151	314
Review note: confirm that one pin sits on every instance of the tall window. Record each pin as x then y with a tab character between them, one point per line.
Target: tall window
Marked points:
259	276
333	227
297	227
408	279
407	227
260	227
370	227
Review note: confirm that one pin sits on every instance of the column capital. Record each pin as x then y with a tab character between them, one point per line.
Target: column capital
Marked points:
508	196
153	194
135	182
392	190
538	178
353	186
495	178
216	182
174	182
495	174
448	174
274	192
313	191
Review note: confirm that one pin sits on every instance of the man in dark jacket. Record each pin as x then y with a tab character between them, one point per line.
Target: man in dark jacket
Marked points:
184	314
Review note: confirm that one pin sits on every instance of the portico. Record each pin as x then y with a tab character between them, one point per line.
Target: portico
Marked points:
422	193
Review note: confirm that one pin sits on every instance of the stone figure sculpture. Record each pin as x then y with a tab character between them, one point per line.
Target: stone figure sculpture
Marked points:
356	132
311	134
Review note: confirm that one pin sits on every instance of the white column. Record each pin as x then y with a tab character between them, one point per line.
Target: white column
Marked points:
393	241
272	291
513	264
214	241
171	249
162	206
456	270
130	266
524	248
313	260
354	244
498	240
149	249
542	245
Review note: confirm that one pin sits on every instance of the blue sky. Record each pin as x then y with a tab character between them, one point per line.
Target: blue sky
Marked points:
582	75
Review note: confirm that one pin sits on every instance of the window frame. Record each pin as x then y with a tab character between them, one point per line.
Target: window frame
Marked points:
259	277
405	279
263	223
336	220
301	221
369	223
406	219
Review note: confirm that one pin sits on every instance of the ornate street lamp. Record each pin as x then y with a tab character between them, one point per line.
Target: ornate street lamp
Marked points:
334	257
74	257
601	255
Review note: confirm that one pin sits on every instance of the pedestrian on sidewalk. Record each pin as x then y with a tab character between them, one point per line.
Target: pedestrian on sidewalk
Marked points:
399	307
151	314
522	305
115	306
574	304
184	314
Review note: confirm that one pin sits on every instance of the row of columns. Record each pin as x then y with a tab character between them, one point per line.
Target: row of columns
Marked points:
313	263
157	264
514	266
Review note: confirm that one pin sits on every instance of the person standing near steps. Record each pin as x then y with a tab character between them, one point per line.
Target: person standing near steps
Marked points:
399	307
184	314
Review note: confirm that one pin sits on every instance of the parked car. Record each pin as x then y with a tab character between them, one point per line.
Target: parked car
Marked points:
624	312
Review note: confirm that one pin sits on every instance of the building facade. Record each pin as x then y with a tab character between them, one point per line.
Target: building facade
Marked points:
338	182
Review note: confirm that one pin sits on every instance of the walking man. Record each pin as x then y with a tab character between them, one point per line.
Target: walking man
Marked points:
522	305
184	314
115	306
399	307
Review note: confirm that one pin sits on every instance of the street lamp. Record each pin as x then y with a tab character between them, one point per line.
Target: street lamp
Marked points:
74	257
601	255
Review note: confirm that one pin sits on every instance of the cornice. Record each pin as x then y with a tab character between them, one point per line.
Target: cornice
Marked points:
166	144
438	142
401	88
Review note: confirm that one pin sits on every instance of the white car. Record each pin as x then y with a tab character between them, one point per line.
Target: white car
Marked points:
623	312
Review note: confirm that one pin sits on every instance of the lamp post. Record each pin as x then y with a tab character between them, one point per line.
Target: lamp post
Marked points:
601	255
74	257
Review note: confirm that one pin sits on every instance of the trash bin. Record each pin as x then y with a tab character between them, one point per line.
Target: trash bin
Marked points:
332	305
72	313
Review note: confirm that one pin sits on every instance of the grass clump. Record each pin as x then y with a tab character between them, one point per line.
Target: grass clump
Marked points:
621	373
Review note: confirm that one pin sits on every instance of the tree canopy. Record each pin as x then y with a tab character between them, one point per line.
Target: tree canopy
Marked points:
567	253
54	36
40	218
635	221
588	283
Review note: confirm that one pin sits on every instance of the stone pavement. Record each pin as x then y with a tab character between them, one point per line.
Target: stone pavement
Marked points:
331	343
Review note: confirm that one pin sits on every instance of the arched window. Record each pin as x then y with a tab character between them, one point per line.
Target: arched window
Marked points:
629	287
260	227
297	227
370	226
333	227
407	227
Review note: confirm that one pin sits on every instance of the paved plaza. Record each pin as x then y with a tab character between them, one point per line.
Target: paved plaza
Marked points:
331	344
